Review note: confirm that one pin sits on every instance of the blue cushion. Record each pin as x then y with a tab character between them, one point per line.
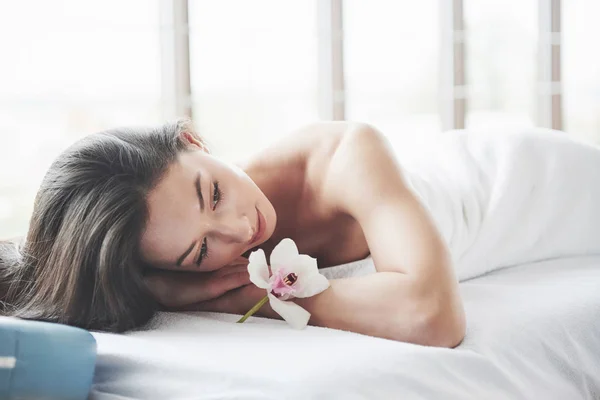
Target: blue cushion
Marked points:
45	360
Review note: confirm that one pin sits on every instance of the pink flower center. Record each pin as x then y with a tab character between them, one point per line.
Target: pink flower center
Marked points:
290	279
283	283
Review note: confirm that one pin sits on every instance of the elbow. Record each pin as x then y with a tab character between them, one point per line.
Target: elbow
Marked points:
446	329
438	325
439	315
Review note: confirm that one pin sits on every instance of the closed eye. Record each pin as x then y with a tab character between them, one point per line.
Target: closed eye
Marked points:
198	185
216	199
203	253
217	195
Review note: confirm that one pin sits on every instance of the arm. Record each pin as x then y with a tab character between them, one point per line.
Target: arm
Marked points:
414	295
175	290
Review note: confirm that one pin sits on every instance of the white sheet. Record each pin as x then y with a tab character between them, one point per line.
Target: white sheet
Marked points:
533	333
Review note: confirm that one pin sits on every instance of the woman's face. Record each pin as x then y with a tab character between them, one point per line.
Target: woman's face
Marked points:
204	215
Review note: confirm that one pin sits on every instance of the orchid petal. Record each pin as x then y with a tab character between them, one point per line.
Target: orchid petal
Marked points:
284	255
258	269
304	265
311	285
296	316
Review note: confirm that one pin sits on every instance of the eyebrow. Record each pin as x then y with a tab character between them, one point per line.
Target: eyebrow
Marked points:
201	200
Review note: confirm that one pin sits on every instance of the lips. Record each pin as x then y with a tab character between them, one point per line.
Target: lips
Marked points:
260	228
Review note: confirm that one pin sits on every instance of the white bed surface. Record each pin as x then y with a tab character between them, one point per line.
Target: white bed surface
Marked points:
533	333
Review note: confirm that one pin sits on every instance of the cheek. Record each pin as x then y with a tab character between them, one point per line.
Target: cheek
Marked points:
240	194
157	249
167	237
224	255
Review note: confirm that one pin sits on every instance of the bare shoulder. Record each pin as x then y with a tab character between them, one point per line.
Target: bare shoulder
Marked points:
356	166
309	149
323	142
319	161
307	142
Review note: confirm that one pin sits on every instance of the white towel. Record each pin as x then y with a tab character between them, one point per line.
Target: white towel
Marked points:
506	199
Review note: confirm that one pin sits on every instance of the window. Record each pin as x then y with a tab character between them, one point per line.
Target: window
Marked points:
391	65
69	69
249	72
253	71
581	68
501	76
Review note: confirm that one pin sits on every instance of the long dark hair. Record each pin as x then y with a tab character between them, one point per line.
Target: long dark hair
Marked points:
80	263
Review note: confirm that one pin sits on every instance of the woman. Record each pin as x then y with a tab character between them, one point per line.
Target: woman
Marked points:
130	221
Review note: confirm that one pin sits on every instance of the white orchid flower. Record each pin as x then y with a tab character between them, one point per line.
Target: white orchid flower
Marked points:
292	275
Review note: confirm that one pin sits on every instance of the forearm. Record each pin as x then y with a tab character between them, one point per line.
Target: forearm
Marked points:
392	306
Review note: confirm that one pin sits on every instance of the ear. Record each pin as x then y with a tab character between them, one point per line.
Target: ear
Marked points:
193	140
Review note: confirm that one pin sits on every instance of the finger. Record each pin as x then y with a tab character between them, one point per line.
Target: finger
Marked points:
162	284
238	301
231	269
178	289
237	261
217	286
240	261
229	302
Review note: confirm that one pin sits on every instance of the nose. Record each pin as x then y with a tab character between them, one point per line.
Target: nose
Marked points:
233	229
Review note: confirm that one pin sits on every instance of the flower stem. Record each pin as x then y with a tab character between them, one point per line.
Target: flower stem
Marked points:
254	309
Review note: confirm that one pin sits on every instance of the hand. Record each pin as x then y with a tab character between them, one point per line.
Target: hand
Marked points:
238	301
176	290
